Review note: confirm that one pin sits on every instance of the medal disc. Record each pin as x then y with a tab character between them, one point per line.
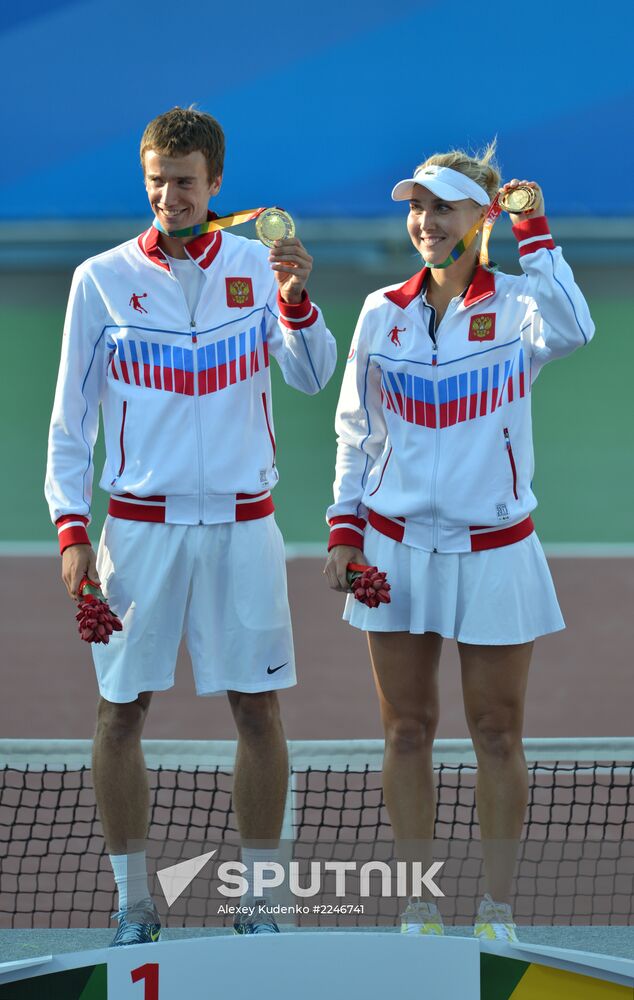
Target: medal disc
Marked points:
519	200
274	224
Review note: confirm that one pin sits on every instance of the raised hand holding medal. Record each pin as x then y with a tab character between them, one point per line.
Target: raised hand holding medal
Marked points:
288	257
522	200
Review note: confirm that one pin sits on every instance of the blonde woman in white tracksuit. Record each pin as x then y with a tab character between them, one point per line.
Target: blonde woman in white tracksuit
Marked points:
433	486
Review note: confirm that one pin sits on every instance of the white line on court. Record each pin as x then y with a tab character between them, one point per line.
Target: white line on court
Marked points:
589	550
317	550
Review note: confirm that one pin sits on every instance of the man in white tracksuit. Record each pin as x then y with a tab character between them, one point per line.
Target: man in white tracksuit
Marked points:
172	337
434	487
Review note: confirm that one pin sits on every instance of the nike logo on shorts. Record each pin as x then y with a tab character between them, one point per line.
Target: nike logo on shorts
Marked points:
274	670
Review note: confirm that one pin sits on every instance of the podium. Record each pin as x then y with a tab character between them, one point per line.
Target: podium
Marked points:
321	965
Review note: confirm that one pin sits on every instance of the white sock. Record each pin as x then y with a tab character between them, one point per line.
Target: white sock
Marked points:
249	856
130	874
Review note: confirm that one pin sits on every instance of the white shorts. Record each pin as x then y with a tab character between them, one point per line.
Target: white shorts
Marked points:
493	598
222	586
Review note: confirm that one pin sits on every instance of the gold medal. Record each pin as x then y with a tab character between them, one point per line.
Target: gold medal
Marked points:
518	200
274	224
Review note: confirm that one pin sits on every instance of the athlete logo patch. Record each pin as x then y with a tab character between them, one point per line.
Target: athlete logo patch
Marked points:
482	327
239	292
393	334
135	302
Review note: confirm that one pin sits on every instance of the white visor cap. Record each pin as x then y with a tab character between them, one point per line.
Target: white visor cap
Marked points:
445	183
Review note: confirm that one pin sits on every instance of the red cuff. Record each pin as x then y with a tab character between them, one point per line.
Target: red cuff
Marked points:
346	529
297	315
533	234
71	529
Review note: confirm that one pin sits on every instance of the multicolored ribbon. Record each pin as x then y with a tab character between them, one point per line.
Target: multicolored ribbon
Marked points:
459	248
212	225
493	213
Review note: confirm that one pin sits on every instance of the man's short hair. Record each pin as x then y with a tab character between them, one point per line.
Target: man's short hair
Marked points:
185	130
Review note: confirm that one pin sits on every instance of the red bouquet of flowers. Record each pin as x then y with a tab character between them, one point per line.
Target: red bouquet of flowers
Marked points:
368	584
95	619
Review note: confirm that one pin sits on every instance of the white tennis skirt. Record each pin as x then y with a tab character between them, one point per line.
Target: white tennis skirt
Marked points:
497	597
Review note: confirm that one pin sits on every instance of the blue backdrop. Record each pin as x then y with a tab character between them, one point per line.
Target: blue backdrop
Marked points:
324	106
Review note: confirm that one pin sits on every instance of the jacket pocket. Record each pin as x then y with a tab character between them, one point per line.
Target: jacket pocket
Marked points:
376	488
124	413
509	452
268	424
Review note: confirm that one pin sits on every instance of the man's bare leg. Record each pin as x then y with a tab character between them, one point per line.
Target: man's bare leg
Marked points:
259	787
261	770
121	789
119	774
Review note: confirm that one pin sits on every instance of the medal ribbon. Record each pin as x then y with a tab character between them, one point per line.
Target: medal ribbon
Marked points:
212	225
490	219
459	248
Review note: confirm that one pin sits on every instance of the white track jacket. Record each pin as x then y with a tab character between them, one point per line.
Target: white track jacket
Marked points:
435	443
186	400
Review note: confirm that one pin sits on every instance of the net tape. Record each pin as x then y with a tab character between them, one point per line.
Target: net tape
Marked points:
576	862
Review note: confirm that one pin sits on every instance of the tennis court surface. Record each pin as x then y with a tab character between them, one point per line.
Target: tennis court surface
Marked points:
57	888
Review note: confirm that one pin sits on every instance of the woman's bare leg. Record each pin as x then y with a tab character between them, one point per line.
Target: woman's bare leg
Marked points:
405	670
494	682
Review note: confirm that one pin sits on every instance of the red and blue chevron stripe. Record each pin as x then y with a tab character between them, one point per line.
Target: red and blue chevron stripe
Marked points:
171	369
461	397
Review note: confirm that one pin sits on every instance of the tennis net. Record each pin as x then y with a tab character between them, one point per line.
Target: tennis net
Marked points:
576	863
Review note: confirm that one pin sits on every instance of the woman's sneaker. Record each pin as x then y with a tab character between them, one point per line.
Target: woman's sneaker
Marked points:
138	924
259	922
421	918
494	921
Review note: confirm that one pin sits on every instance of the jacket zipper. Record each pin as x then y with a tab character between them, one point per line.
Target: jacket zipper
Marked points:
509	451
268	425
199	437
121	445
434	475
199	433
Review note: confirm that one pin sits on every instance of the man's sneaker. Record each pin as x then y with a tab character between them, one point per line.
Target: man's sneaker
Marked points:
494	921
138	924
421	918
259	922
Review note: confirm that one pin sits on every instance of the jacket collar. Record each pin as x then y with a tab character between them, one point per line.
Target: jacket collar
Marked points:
482	287
202	250
412	288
